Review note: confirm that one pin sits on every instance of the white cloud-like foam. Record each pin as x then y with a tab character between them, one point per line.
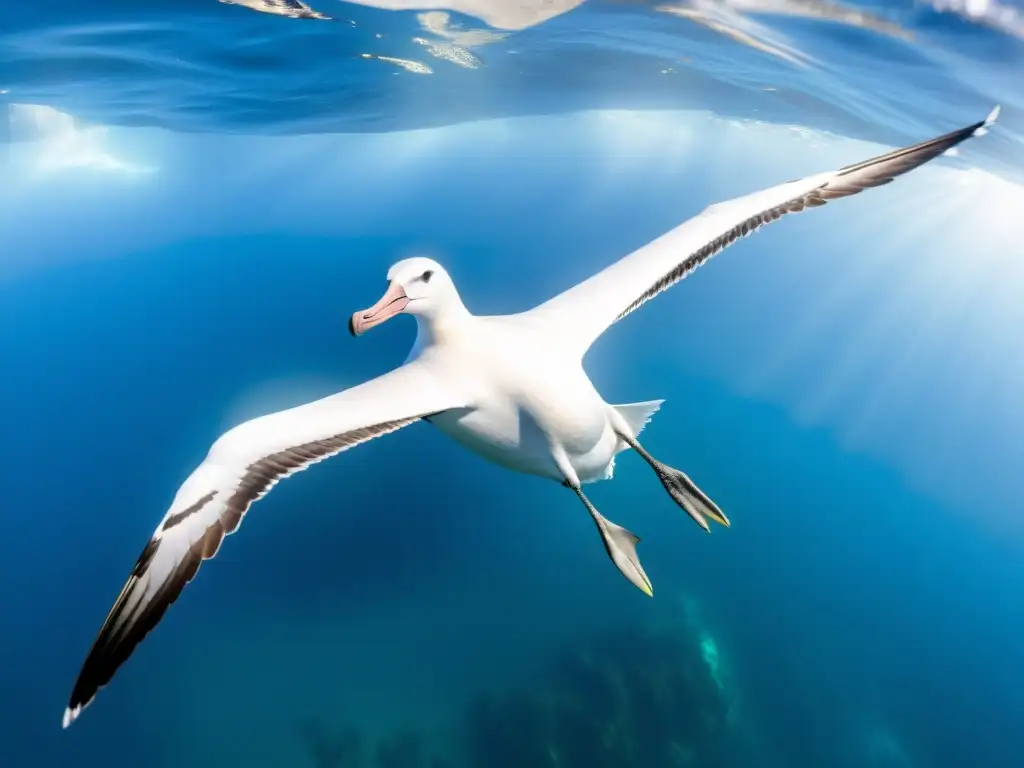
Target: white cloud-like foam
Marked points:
987	13
51	140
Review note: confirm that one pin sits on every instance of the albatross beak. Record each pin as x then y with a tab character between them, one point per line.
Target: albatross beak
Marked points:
391	303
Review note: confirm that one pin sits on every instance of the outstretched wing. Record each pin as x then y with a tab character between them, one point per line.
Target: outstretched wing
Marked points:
582	313
241	467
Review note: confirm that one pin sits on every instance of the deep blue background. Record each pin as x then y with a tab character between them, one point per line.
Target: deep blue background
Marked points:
846	384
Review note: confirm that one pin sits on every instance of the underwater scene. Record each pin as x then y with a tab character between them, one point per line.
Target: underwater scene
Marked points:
752	496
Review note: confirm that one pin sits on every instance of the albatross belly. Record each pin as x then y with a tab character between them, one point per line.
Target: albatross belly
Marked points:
512	437
527	407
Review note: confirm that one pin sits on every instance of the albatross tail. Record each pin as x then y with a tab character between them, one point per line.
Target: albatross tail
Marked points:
636	416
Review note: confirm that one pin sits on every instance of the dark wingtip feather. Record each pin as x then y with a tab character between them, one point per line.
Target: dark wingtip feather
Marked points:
900	161
128	623
847	181
116	641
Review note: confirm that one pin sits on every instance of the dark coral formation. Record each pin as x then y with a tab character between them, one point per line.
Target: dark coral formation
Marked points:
626	698
630	699
404	749
332	750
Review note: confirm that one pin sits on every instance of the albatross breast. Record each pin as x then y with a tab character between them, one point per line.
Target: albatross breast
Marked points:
527	397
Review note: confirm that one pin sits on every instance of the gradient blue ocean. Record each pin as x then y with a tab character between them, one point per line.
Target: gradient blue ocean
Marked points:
194	198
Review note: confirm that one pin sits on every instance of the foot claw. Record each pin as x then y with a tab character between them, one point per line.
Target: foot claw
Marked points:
620	544
692	499
681	488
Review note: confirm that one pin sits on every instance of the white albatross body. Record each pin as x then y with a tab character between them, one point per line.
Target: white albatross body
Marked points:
512	389
523	396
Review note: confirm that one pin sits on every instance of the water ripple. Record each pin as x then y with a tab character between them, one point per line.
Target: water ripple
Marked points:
884	71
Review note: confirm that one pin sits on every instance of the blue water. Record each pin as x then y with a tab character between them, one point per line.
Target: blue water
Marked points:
193	199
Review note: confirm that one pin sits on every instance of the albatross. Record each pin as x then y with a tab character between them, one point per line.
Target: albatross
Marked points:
511	388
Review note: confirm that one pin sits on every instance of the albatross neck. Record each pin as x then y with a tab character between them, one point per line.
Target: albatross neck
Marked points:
442	322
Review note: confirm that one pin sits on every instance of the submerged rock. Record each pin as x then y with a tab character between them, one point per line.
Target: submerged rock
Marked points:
329	749
626	698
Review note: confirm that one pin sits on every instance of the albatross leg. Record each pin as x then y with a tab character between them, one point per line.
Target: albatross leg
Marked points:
680	487
619	543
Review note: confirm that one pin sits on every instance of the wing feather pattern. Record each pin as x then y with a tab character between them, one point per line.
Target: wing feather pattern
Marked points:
241	467
582	313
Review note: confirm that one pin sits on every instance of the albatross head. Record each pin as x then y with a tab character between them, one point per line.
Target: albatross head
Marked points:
418	286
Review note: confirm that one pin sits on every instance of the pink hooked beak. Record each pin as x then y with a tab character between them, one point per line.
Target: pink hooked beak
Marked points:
391	303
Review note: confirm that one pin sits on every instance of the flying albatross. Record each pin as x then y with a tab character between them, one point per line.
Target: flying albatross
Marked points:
511	388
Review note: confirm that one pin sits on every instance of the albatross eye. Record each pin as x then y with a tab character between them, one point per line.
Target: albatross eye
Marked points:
427	275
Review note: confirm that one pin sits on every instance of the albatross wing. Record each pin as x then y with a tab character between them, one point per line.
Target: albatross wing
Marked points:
241	467
582	313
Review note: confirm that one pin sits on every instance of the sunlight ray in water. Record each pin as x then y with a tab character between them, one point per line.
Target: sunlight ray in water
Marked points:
941	286
628	137
922	309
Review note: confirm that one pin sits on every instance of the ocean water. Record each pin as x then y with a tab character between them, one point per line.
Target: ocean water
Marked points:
195	196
